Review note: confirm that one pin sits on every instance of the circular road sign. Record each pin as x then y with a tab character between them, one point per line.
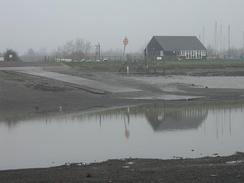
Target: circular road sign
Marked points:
125	41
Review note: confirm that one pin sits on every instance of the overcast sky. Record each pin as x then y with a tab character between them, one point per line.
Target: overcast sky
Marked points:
49	23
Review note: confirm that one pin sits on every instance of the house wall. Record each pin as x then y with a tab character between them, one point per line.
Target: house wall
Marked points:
184	54
193	54
153	49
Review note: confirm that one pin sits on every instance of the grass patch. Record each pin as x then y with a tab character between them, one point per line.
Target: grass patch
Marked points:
143	66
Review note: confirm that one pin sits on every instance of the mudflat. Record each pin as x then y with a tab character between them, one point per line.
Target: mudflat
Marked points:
23	94
218	169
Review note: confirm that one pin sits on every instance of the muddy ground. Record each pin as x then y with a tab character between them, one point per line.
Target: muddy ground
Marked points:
204	170
22	95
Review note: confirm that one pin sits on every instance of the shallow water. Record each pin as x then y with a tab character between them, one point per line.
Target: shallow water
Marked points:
221	82
150	131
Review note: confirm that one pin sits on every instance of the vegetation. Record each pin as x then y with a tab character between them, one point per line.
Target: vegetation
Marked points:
155	66
11	56
109	66
75	49
201	64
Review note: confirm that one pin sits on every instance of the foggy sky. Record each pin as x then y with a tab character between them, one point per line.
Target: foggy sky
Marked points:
47	24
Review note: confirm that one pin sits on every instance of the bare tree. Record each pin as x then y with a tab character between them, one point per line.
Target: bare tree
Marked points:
75	49
33	56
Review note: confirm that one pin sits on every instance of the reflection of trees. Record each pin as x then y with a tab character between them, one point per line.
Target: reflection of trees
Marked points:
160	116
11	119
162	119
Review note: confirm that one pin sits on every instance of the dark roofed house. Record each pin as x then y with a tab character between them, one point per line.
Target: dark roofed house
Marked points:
181	47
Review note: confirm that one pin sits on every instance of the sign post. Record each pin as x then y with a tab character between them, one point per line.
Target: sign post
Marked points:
125	43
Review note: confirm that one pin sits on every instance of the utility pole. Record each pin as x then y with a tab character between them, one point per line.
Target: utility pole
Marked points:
215	38
242	54
221	39
203	35
243	41
125	43
98	51
229	41
224	39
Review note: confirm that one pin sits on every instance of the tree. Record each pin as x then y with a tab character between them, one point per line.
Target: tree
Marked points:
11	55
30	53
33	56
76	49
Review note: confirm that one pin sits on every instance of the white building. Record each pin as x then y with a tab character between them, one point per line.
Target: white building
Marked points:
1	58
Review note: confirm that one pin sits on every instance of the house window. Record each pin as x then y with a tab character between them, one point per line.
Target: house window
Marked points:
198	54
203	53
161	53
195	54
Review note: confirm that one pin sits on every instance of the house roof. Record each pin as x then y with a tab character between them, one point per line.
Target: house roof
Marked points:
180	43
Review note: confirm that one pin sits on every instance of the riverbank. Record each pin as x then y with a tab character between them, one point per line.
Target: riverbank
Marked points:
210	169
22	95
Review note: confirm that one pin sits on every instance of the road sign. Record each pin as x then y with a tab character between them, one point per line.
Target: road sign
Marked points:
125	41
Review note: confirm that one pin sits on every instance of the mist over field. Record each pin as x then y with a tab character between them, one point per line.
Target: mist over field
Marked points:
46	24
121	91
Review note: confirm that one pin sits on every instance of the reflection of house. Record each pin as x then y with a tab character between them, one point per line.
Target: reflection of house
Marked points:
161	117
185	47
185	118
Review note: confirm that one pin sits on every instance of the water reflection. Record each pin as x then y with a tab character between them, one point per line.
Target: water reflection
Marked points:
189	117
161	117
166	117
146	131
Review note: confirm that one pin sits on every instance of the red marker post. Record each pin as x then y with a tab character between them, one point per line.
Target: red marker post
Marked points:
125	42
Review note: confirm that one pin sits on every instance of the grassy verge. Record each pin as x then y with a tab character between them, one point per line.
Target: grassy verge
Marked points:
150	66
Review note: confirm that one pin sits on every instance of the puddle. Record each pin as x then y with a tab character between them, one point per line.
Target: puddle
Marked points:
167	97
221	82
150	131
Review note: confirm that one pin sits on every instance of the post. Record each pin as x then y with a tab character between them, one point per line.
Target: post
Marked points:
229	54
98	51
203	35
242	54
125	43
124	51
215	38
